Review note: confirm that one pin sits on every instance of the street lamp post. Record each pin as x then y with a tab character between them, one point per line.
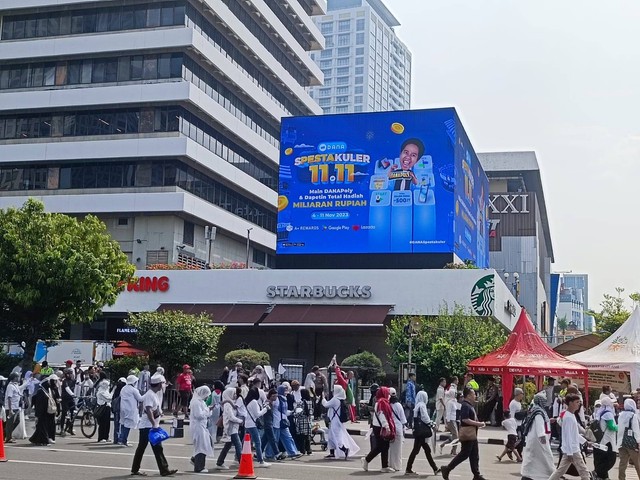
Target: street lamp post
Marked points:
248	242
515	285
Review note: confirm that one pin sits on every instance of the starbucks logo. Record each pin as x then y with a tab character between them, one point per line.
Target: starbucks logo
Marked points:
482	296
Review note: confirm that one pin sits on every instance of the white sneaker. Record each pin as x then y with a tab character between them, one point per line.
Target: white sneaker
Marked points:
204	470
365	464
387	470
221	467
263	465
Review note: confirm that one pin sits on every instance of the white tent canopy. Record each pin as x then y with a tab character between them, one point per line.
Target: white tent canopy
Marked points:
620	352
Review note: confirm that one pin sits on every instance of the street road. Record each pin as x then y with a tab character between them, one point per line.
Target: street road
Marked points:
76	458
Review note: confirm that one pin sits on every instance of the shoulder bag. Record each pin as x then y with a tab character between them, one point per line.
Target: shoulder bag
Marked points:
421	429
629	440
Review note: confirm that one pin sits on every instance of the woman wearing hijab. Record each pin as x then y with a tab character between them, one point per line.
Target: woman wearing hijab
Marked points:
399	419
214	401
382	419
628	426
604	460
420	411
45	421
537	459
340	443
231	425
129	411
281	423
103	412
303	415
200	413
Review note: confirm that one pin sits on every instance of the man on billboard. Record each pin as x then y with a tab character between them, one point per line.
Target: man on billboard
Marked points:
411	151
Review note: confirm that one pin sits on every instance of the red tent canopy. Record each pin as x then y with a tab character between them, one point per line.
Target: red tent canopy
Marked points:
525	353
125	349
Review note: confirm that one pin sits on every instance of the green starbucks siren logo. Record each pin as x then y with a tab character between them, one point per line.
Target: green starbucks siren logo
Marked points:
482	296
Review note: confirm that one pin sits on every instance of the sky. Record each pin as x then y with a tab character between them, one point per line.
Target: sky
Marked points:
561	78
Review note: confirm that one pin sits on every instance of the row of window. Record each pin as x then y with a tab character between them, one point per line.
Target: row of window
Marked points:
97	70
206	82
288	21
157	173
107	19
343	26
201	25
84	123
132	121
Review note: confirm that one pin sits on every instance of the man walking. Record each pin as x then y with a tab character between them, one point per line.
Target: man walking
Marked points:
143	380
184	384
150	419
468	418
571	442
12	397
440	406
410	398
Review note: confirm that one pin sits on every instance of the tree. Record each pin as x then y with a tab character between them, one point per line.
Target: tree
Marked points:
445	343
369	366
563	324
249	358
174	338
613	313
54	269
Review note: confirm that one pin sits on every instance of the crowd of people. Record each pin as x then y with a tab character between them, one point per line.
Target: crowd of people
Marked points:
284	419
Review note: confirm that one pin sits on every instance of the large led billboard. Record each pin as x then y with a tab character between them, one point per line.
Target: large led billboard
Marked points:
402	182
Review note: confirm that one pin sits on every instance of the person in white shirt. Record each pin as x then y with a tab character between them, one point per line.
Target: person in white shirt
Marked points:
440	406
515	405
453	401
129	411
12	397
509	424
400	420
604	457
629	427
202	444
150	419
537	457
571	442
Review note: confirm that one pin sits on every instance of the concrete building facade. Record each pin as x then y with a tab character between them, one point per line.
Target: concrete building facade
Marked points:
160	117
520	244
365	65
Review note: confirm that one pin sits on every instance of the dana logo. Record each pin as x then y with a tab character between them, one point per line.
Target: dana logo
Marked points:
482	296
332	147
149	284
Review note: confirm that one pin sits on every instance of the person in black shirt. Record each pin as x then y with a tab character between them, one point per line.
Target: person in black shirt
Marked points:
68	403
468	418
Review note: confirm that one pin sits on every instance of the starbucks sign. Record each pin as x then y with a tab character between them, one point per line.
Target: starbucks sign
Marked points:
483	296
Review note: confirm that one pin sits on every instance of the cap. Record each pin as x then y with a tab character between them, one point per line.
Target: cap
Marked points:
156	379
122	380
69	362
186	366
132	380
392	392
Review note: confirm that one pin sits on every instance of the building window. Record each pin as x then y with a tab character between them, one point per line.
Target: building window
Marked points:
344	99
326	110
358	99
357	108
360	24
342	71
342	62
359	60
344	39
342	81
344	25
326	28
324	102
360	38
358	90
342	91
359	80
327	53
188	233
123	222
325	64
342	109
259	257
359	70
344	52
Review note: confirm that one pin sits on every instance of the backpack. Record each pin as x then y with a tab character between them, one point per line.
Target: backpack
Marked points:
344	411
596	429
115	405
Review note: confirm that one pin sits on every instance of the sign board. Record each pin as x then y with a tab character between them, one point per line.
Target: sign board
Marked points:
511	215
618	381
381	183
64	350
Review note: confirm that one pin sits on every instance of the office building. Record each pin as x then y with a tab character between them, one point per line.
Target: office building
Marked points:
160	117
365	65
520	244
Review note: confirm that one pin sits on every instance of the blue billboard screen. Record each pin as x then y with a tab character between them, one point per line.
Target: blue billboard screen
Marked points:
378	183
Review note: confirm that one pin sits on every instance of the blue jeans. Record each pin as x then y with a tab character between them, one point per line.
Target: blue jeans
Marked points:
124	434
283	434
269	441
255	438
235	441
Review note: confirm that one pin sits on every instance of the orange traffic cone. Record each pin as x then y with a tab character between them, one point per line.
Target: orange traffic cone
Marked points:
246	460
3	458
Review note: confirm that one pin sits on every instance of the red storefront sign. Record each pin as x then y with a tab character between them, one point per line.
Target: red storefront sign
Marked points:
149	284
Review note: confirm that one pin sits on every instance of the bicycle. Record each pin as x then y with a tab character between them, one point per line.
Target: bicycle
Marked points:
85	409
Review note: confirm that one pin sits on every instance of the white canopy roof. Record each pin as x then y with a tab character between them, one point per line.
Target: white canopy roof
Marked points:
619	352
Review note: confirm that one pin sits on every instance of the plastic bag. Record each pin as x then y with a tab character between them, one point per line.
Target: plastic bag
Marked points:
157	435
20	432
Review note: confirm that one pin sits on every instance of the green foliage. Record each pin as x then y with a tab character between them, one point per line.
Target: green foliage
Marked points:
467	265
120	367
563	324
54	268
249	358
7	362
613	313
444	343
369	366
174	338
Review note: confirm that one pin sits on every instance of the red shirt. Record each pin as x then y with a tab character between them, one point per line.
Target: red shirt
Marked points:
184	381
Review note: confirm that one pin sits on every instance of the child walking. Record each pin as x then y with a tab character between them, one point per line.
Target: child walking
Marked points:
509	424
